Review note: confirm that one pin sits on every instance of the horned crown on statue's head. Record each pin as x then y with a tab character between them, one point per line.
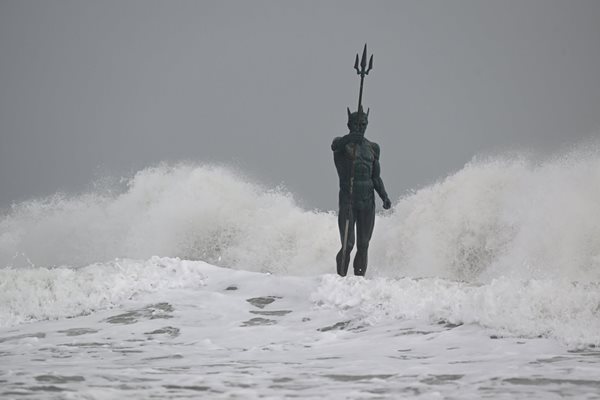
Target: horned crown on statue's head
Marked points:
358	121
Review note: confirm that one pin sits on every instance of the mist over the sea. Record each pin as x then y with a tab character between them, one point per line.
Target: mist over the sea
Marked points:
501	216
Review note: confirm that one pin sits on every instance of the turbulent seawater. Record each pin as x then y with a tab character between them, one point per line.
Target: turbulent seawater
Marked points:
195	282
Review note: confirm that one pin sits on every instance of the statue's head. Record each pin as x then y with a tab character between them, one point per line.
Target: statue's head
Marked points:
358	121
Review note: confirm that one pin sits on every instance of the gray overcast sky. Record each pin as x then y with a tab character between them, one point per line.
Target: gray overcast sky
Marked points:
92	88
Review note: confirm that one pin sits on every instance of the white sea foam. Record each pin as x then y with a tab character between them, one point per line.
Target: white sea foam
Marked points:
551	308
499	217
494	218
559	309
506	247
268	339
193	212
39	293
506	243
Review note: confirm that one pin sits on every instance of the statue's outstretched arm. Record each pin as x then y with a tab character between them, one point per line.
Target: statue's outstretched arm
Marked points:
378	182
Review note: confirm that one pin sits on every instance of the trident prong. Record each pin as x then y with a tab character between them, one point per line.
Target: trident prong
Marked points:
363	70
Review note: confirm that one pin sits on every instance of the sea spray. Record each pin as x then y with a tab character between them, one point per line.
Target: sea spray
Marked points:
496	218
499	217
193	212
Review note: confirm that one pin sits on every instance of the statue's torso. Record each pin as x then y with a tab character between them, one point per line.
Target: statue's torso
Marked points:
362	157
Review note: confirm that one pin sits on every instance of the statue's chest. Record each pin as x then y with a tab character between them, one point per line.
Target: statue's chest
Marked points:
360	153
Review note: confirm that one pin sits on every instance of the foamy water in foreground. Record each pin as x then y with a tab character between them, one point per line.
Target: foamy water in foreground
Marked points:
223	333
483	285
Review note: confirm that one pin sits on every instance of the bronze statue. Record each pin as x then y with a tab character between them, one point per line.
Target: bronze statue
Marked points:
357	163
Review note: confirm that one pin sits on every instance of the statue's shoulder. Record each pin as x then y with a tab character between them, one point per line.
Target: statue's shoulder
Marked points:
336	143
374	146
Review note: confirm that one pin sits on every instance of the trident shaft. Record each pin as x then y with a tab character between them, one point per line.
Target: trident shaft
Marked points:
362	71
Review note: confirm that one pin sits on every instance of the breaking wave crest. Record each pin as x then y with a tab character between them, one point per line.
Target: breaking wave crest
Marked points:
567	311
205	213
506	243
498	217
42	293
494	218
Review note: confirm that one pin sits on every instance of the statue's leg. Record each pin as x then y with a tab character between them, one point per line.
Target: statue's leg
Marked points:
365	221
344	215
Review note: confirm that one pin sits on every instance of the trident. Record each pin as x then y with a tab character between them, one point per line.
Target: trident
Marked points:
362	72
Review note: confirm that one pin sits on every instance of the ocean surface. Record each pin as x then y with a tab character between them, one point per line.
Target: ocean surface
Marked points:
192	281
